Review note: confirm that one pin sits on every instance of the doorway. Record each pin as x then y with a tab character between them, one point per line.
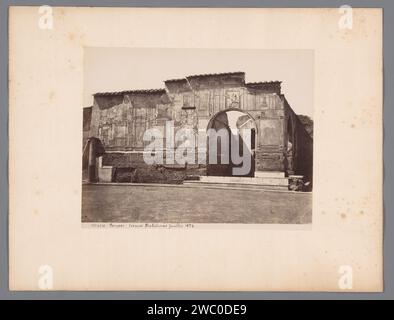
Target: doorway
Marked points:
230	128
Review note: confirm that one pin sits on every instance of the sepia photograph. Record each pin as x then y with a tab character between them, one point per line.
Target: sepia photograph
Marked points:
182	136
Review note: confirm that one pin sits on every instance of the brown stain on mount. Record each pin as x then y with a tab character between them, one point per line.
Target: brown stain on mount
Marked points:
71	36
76	37
51	95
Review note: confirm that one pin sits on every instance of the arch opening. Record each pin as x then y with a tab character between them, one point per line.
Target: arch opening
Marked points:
233	133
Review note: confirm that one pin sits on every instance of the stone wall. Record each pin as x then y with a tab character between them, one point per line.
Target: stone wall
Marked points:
87	118
301	155
131	167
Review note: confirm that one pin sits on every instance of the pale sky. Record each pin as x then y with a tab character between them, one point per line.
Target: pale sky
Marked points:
117	69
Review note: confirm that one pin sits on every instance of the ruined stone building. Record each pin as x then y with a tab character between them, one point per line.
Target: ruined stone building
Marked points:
280	141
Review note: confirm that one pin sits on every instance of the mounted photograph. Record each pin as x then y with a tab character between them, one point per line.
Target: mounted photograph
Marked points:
171	149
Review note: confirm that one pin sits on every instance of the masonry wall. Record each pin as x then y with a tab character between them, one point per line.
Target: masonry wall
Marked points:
120	119
206	96
302	151
87	119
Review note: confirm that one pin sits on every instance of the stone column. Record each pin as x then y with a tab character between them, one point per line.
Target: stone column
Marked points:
92	162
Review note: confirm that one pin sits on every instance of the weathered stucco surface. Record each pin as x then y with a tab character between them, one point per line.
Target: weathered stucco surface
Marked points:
119	119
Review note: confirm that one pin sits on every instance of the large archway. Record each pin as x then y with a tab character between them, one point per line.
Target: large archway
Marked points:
233	122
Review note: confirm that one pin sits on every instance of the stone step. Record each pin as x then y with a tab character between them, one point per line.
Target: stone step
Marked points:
246	180
269	174
234	185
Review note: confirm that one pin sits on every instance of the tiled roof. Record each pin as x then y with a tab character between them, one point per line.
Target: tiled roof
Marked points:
176	80
117	93
216	74
163	91
262	82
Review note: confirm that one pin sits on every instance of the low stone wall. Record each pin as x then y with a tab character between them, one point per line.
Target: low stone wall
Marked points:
131	167
124	160
269	158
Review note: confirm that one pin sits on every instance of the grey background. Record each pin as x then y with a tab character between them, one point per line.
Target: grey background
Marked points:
388	15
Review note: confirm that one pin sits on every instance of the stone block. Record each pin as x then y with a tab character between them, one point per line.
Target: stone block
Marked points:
105	174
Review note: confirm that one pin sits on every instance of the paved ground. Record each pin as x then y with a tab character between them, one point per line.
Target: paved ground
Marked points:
177	204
